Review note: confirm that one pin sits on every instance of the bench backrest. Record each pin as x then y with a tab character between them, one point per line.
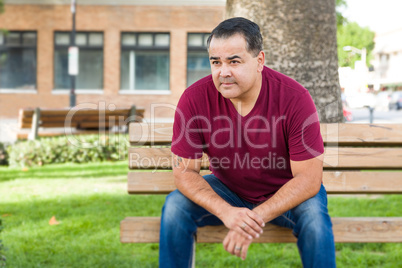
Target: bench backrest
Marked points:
358	158
79	118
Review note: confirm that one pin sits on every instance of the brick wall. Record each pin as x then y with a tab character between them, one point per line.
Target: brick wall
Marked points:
111	20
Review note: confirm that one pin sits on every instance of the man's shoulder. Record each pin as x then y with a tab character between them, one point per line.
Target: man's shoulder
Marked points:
275	78
199	94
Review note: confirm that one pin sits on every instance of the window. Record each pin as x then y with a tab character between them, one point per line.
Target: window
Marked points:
145	61
18	60
197	57
90	60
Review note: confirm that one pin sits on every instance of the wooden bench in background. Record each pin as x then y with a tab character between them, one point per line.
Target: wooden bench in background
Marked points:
359	159
74	121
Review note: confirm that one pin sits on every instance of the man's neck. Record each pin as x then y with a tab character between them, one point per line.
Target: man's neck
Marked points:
246	103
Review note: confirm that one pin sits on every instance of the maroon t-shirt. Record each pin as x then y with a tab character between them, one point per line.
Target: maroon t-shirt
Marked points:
250	154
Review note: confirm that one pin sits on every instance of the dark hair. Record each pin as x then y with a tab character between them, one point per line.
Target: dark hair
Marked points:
247	28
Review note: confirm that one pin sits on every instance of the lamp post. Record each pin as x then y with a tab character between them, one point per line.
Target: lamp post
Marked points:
73	58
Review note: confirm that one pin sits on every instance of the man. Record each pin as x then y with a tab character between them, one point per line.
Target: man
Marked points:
261	133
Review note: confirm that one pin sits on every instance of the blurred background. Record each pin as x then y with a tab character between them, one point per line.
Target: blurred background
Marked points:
370	60
143	52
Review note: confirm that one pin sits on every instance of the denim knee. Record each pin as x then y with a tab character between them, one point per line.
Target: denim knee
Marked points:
175	206
312	215
315	225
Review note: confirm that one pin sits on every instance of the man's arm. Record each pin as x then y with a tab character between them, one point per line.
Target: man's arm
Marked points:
306	182
191	184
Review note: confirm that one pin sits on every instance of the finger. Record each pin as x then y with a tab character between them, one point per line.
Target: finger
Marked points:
255	222
256	217
244	233
251	228
238	245
238	250
226	242
227	245
244	250
231	247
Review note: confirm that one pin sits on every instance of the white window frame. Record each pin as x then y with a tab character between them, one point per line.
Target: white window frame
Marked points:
137	47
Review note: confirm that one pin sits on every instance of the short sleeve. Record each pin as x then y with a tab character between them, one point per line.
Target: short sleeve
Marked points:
304	140
187	140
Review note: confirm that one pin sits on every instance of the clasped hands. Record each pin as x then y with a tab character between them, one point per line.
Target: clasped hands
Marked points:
244	226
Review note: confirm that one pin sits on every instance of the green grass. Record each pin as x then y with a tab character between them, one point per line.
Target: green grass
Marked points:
90	200
65	171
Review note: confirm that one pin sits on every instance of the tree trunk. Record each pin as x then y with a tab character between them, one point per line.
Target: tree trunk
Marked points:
300	41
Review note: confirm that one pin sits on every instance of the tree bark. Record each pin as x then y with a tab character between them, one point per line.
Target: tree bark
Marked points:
300	41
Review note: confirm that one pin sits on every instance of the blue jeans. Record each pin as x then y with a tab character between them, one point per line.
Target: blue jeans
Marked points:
181	217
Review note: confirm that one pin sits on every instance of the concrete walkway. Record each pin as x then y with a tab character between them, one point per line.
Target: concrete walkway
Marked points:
8	130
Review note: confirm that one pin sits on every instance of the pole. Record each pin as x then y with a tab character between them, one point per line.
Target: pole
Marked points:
371	109
73	77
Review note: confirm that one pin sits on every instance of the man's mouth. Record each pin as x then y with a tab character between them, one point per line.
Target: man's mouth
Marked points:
226	81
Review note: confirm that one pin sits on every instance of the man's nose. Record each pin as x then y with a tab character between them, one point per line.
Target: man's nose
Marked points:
225	71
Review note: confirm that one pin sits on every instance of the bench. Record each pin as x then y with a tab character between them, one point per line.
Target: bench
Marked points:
359	159
56	122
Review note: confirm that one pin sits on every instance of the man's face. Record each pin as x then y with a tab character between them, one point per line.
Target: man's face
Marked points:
236	73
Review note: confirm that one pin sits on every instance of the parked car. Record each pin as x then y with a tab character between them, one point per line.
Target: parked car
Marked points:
396	100
347	113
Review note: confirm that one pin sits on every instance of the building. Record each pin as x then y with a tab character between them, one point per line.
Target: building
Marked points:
131	52
388	60
363	87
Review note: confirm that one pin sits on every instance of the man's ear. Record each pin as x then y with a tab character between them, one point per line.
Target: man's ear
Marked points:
261	61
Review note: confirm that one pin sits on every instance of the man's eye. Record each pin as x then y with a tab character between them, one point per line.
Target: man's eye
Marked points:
234	61
215	62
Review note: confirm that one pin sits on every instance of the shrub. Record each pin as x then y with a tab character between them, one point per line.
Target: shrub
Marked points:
72	149
3	154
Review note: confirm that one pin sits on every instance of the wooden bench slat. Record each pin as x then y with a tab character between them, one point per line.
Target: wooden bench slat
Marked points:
28	112
348	134
354	182
335	182
56	117
82	117
362	158
89	117
23	136
346	230
366	134
73	124
335	158
76	123
144	133
152	182
155	158
106	124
